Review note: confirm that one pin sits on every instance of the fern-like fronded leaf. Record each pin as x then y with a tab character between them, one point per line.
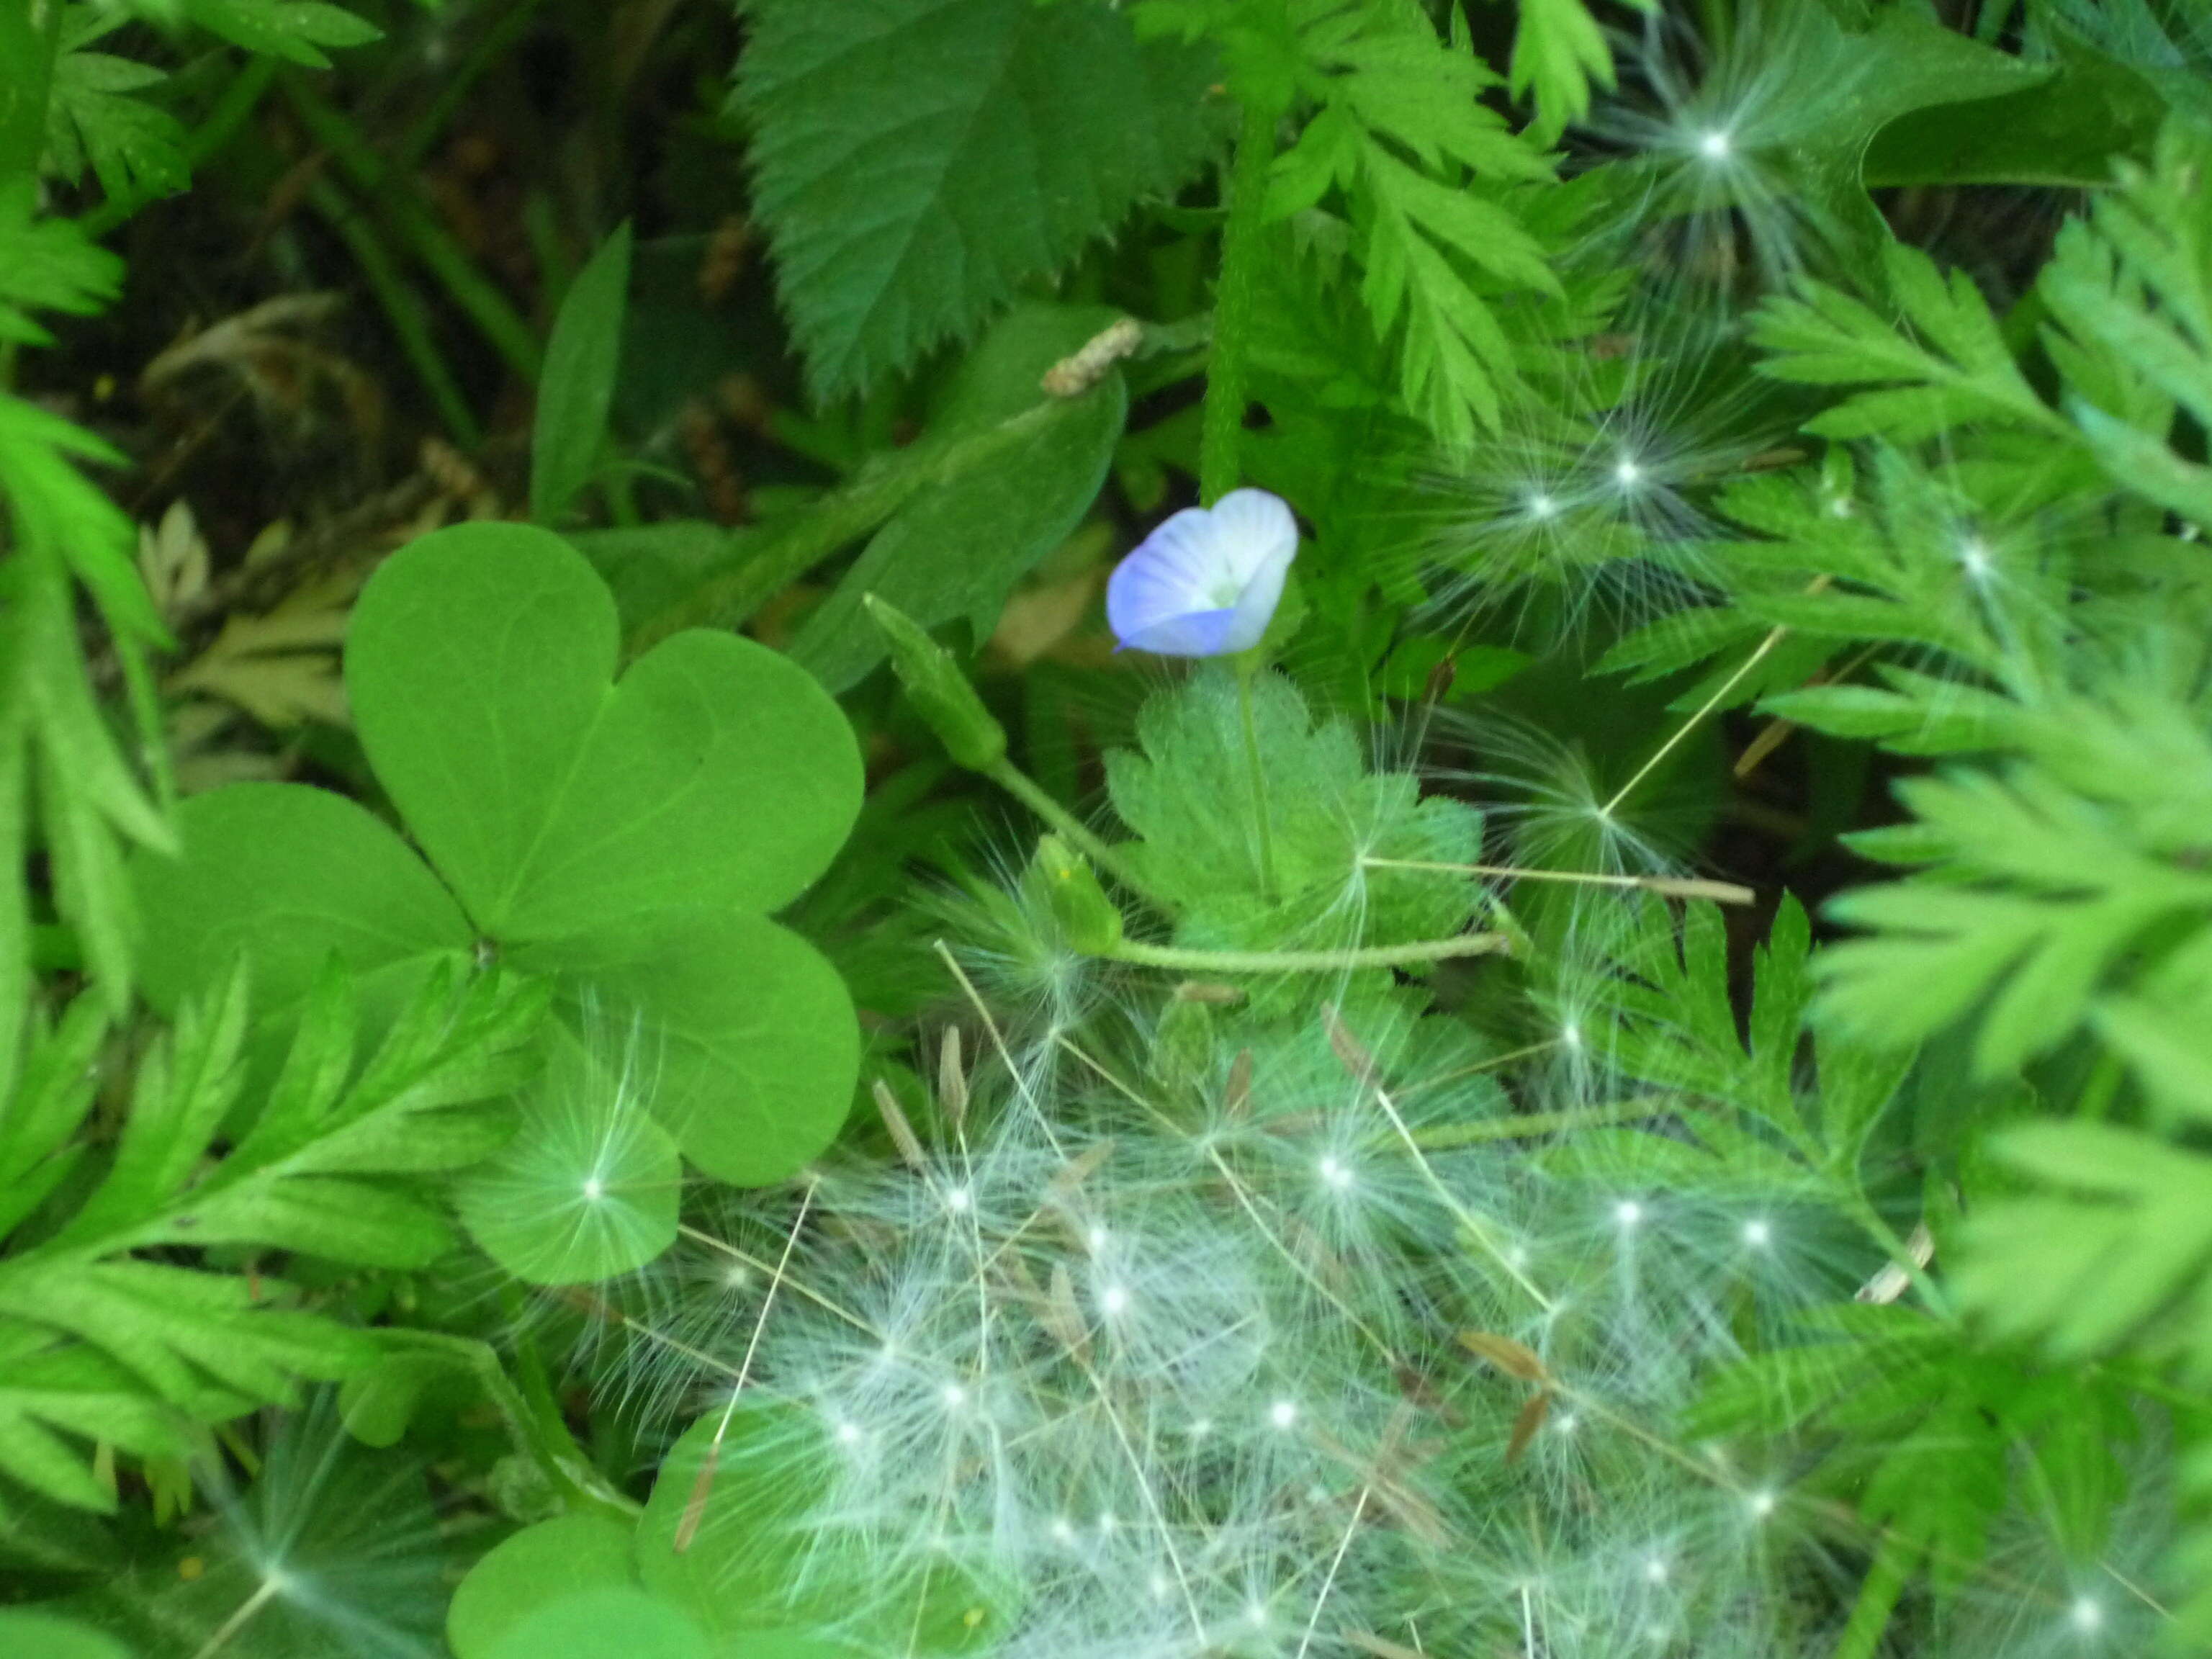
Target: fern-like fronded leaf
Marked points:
2062	868
1950	365
110	1343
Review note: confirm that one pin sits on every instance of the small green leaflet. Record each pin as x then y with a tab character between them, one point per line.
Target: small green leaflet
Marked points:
578	385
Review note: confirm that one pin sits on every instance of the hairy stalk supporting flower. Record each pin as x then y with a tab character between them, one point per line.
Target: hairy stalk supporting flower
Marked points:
1247	666
1218	463
1682	887
1350	959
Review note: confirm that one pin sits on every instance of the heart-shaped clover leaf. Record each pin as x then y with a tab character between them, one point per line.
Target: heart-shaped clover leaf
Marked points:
625	838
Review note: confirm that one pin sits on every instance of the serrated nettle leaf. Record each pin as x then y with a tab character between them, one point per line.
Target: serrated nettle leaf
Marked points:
954	551
917	159
577	386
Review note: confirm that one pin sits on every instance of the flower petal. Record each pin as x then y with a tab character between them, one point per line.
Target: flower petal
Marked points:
1169	574
1193	634
1208	581
1252	530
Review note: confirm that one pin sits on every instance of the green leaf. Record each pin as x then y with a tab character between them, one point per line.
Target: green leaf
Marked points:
1965	370
752	1030
286	875
295	30
590	1185
2065	871
958	549
1188	793
28	1634
1559	53
593	1623
757	1558
47	265
578	385
2124	1237
916	159
103	1343
537	1567
1402	124
135	147
2065	133
715	774
620	838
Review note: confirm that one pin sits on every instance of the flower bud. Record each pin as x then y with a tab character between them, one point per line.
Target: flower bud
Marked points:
940	690
1059	875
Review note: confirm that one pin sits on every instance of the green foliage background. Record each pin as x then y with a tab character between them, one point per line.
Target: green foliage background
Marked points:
574	834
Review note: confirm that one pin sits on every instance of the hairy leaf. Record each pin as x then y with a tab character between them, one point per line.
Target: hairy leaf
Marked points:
918	159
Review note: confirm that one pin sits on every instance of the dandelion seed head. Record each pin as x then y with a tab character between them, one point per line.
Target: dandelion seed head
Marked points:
2087	1615
1334	1174
1761	1504
1758	1233
1283	1414
594	1189
1715	145
1114	1299
1628	1213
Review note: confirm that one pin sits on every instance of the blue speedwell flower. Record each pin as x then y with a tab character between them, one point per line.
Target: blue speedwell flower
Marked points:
1206	582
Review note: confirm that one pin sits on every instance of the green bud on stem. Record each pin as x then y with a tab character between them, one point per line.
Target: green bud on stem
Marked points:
940	690
1062	879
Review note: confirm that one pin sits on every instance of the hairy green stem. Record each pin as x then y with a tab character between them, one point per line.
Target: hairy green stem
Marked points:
502	325
1351	959
1247	667
1026	790
1220	466
1526	1126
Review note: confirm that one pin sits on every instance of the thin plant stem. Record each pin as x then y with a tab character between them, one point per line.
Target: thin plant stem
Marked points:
272	1586
402	309
491	47
1765	650
1222	428
688	1528
1350	959
1247	667
1031	795
503	326
1687	887
1526	1126
1336	1561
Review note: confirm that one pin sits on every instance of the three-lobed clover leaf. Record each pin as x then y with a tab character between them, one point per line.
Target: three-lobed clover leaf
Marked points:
625	838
